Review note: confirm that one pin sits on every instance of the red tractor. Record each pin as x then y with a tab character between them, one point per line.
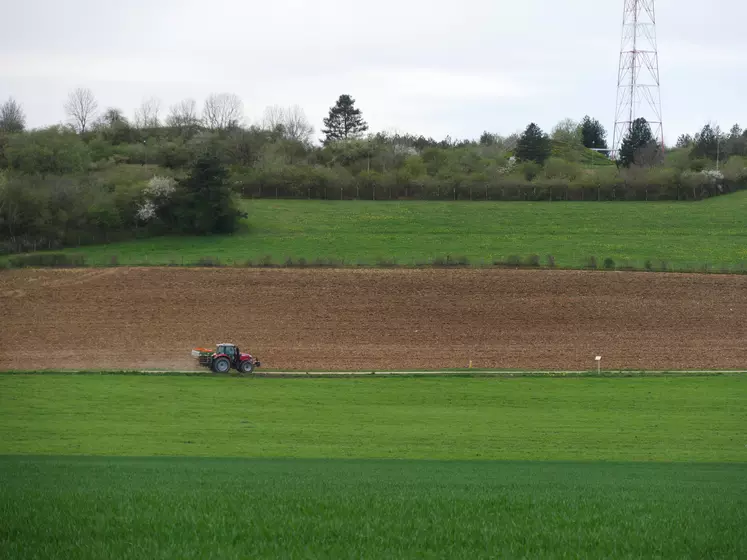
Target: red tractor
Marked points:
225	357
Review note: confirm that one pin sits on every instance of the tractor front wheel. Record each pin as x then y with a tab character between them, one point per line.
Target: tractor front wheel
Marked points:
221	365
246	367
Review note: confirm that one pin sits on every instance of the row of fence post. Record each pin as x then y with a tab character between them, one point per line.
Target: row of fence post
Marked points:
455	191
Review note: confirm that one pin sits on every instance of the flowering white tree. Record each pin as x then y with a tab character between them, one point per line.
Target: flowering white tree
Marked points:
714	177
146	212
156	193
160	187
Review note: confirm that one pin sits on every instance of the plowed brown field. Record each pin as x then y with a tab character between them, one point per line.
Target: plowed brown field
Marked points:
372	319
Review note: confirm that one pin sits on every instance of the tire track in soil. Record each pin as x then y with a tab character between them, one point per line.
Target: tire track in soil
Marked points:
150	318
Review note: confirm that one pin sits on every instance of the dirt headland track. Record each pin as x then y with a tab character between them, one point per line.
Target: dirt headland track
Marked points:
292	319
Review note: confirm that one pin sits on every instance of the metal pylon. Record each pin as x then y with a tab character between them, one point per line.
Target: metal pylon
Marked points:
638	85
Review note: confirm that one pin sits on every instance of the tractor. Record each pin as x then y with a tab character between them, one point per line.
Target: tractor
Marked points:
224	357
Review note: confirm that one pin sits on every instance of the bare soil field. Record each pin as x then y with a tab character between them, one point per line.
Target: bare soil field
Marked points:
150	318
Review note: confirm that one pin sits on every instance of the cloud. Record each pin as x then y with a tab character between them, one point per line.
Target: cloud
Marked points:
706	55
427	66
442	84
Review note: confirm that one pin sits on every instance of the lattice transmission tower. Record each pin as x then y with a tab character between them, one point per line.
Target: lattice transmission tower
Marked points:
638	86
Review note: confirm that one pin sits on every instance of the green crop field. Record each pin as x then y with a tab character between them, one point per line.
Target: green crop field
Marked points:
685	235
117	466
222	508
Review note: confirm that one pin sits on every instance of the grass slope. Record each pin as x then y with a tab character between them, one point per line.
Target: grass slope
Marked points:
685	235
190	508
697	419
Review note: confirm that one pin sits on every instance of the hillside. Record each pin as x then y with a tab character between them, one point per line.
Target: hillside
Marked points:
680	235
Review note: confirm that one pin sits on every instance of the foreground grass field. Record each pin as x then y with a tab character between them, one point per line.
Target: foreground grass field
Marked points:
372	467
682	235
212	508
637	419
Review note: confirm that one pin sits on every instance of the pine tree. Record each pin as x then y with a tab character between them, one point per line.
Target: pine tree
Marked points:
706	143
684	141
593	134
533	145
204	201
638	144
736	142
488	139
344	121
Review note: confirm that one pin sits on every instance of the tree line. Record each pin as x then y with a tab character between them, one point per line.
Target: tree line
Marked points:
104	176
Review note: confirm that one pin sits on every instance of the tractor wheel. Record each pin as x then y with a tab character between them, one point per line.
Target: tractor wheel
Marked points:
246	367
221	365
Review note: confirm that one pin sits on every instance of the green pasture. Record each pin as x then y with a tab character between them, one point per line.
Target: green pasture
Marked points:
679	235
577	419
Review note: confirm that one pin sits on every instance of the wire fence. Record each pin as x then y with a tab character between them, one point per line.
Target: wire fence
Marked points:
548	191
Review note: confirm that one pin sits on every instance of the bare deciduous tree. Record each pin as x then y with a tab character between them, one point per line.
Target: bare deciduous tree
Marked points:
147	115
12	118
183	115
223	111
81	108
273	118
291	122
110	118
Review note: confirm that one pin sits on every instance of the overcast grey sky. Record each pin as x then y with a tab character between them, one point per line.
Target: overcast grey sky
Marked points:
430	67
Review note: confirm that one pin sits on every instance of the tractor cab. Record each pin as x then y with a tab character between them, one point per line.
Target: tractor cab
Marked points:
230	350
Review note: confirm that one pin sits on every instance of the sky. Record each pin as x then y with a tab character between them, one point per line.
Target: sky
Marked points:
432	67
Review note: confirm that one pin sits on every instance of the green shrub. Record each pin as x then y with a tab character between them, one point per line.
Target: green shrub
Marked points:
326	263
556	168
50	260
609	264
448	260
735	169
50	151
529	170
386	263
533	261
208	262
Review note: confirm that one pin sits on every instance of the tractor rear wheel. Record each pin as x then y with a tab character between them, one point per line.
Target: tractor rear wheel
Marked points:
246	367
221	365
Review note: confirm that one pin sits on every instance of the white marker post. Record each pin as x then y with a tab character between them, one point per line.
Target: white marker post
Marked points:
599	362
